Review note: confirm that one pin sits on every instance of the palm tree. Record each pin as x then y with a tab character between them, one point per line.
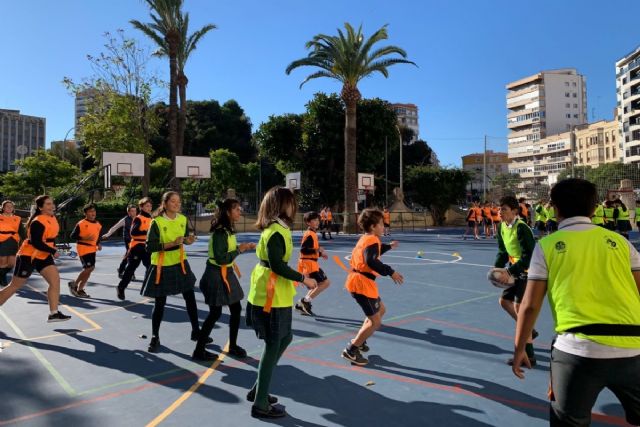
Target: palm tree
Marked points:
187	46
348	58
165	32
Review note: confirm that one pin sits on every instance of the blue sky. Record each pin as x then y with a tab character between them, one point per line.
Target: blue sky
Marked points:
466	51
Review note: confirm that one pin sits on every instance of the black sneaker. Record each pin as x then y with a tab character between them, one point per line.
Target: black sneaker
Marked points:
531	359
354	357
154	345
534	334
73	288
58	317
120	293
304	307
364	347
83	294
196	334
251	397
238	352
204	355
272	412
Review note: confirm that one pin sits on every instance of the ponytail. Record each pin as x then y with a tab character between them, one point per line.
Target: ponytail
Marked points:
39	203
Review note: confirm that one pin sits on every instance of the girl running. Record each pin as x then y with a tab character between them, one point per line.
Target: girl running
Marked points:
12	231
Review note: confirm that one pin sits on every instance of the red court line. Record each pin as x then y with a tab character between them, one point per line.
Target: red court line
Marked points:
457	389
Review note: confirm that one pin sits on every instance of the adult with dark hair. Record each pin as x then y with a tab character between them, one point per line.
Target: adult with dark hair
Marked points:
137	253
219	283
592	278
37	252
124	223
515	246
270	300
11	232
361	281
87	235
170	273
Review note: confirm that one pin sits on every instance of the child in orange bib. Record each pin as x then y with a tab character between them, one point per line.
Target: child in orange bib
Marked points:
365	266
87	234
310	252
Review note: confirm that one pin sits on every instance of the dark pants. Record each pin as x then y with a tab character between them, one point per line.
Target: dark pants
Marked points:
123	264
136	256
235	310
158	312
577	382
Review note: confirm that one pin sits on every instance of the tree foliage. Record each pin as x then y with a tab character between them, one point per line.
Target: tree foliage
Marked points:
39	173
437	188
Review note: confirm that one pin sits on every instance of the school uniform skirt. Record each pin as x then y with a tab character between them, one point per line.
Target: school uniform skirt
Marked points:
9	247
623	225
270	327
172	281
215	290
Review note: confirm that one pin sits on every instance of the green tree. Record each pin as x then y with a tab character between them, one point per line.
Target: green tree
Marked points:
349	58
39	173
160	172
68	152
437	188
229	172
165	32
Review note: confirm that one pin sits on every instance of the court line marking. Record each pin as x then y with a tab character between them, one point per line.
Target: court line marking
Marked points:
432	261
201	380
433	285
43	360
108	310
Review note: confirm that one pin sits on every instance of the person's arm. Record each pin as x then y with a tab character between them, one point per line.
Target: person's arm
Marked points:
75	234
307	247
36	232
527	315
373	261
527	244
153	238
118	225
385	248
502	257
221	254
275	252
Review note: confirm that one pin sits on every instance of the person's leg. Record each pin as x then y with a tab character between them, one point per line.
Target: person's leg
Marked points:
369	326
87	275
52	277
268	362
508	306
200	351
123	263
133	261
235	310
13	287
576	382
156	315
192	310
624	382
4	269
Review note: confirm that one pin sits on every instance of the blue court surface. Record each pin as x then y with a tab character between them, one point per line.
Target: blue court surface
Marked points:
439	359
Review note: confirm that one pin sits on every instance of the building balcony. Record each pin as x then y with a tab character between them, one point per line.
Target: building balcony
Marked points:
528	89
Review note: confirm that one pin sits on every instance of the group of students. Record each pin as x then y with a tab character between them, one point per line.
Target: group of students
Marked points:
591	276
482	217
158	241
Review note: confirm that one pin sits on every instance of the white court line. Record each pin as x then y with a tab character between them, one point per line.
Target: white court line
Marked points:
428	261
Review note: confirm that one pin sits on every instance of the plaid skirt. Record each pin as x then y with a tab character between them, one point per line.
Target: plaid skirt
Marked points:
215	290
270	327
172	281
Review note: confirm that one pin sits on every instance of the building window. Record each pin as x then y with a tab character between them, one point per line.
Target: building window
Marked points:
567	94
574	84
568	115
575	116
575	105
567	105
575	95
566	83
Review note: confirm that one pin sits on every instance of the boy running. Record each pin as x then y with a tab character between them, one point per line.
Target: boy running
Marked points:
87	235
310	251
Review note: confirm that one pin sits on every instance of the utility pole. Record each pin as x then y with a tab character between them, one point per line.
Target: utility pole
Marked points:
484	171
386	172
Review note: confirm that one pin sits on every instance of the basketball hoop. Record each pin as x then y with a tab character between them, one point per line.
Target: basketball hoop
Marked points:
197	176
368	189
125	174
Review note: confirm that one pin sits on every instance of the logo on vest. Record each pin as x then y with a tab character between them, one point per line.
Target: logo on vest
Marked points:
611	243
561	246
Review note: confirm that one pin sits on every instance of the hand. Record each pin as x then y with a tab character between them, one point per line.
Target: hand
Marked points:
397	278
99	247
56	255
520	358
179	240
394	244
310	283
324	255
503	277
243	247
189	239
104	237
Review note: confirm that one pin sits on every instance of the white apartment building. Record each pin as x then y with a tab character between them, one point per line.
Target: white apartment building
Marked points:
408	117
628	94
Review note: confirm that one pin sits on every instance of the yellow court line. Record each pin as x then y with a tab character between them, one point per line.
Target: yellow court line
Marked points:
160	418
85	318
108	310
45	337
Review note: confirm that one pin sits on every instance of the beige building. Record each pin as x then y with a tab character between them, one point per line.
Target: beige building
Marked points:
497	164
20	136
628	88
597	143
408	116
544	160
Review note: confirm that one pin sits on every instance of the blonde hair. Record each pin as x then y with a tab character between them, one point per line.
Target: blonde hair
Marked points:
144	201
163	202
274	205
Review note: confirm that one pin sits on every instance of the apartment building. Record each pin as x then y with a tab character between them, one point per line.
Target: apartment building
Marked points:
20	135
497	164
628	96
542	161
598	143
408	117
83	98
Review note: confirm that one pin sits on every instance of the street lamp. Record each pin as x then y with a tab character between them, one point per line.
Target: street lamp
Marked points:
400	138
64	143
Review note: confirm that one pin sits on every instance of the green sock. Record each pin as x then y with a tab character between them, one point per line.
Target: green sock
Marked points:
529	350
268	362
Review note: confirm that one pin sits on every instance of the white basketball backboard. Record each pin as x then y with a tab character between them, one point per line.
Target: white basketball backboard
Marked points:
292	181
124	164
193	167
366	181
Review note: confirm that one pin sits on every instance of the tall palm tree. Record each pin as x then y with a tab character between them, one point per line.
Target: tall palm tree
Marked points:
187	46
349	58
165	32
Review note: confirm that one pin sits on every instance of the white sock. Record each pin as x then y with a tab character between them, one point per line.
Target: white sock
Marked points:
307	298
53	312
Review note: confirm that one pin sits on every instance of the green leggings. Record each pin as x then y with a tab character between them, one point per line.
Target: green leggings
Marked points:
270	356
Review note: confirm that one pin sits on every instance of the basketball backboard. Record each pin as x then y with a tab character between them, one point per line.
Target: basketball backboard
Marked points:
292	181
193	167
366	181
124	164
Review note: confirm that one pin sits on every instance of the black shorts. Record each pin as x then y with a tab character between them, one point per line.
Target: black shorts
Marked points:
515	292
24	265
487	222
541	226
552	226
319	276
370	306
88	260
471	224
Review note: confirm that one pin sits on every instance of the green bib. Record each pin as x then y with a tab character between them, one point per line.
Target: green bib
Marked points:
637	214
598	215
551	213
510	239
232	245
285	289
608	214
590	281
170	230
623	214
540	214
